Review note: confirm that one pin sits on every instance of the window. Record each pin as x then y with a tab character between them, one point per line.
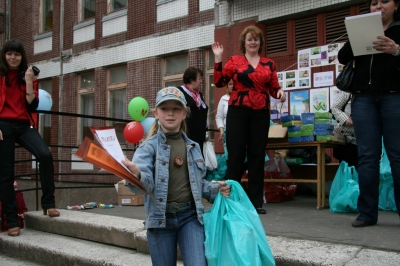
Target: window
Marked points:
46	9
210	99
209	93
88	9
210	62
173	69
86	84
277	38
335	27
306	29
117	106
117	4
45	119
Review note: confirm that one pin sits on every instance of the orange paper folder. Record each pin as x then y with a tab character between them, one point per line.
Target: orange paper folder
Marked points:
96	155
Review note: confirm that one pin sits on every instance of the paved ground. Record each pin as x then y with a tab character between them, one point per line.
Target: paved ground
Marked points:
299	219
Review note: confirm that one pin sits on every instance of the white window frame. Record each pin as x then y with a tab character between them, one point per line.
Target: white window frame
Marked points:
110	4
41	14
81	10
83	91
112	87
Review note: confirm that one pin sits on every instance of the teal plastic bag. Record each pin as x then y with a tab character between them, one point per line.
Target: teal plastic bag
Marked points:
386	188
346	199
344	191
234	232
219	172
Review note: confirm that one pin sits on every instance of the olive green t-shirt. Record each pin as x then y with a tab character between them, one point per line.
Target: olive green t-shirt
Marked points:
178	185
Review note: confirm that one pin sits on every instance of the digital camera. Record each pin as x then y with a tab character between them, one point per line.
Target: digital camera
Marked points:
21	75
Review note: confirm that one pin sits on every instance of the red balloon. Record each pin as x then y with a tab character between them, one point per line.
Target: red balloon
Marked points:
133	132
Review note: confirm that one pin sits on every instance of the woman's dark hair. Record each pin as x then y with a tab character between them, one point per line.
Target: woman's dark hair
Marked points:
396	15
191	74
13	46
256	33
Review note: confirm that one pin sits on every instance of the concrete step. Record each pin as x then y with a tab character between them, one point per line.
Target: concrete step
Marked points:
50	249
106	229
8	261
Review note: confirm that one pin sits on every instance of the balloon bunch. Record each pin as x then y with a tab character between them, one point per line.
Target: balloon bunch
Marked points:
138	108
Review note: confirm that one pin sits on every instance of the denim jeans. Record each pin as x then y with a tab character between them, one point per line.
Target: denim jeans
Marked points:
182	228
376	115
29	138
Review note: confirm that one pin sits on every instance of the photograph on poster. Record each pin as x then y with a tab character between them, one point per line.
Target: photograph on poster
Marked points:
315	62
280	76
315	50
303	58
299	102
290	84
333	59
281	85
290	74
333	94
339	68
324	55
304	83
333	47
319	100
304	73
278	108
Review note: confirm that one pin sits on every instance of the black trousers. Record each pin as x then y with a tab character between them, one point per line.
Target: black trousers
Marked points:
347	153
247	130
30	139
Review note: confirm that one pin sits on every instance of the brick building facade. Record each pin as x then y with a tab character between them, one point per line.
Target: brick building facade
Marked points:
92	52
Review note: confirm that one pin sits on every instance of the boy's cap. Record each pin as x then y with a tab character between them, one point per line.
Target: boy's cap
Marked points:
170	93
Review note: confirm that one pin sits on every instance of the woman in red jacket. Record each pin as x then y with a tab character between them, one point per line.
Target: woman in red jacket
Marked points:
18	97
247	123
21	209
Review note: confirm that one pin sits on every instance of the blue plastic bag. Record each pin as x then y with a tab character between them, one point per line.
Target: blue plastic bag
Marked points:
344	192
234	232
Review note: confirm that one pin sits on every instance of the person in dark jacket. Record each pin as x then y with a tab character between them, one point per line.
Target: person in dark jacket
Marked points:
375	109
196	121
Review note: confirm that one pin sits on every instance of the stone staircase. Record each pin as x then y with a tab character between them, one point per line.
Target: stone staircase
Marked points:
82	238
77	238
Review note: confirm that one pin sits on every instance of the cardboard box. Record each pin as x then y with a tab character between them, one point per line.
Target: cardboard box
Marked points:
127	197
277	134
131	200
123	190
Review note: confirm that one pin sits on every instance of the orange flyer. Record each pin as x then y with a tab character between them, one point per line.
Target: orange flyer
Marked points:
96	155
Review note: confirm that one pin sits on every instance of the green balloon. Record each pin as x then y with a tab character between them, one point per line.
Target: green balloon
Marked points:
138	108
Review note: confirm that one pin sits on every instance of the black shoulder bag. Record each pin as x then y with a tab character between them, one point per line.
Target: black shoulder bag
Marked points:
344	80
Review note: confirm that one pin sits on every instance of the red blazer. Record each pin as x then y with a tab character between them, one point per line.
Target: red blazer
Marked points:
21	209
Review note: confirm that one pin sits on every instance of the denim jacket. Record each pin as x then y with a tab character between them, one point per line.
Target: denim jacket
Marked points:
152	158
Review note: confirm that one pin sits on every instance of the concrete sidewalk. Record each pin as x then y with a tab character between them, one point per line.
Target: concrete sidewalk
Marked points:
299	219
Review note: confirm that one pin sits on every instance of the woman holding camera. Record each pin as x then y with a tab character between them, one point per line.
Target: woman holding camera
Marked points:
18	98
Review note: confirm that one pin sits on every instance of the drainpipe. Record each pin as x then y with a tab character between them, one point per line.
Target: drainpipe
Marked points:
8	20
61	86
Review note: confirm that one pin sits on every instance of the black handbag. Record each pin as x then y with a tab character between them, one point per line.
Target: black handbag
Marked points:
344	80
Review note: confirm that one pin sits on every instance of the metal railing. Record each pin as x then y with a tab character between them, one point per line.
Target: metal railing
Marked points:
36	173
